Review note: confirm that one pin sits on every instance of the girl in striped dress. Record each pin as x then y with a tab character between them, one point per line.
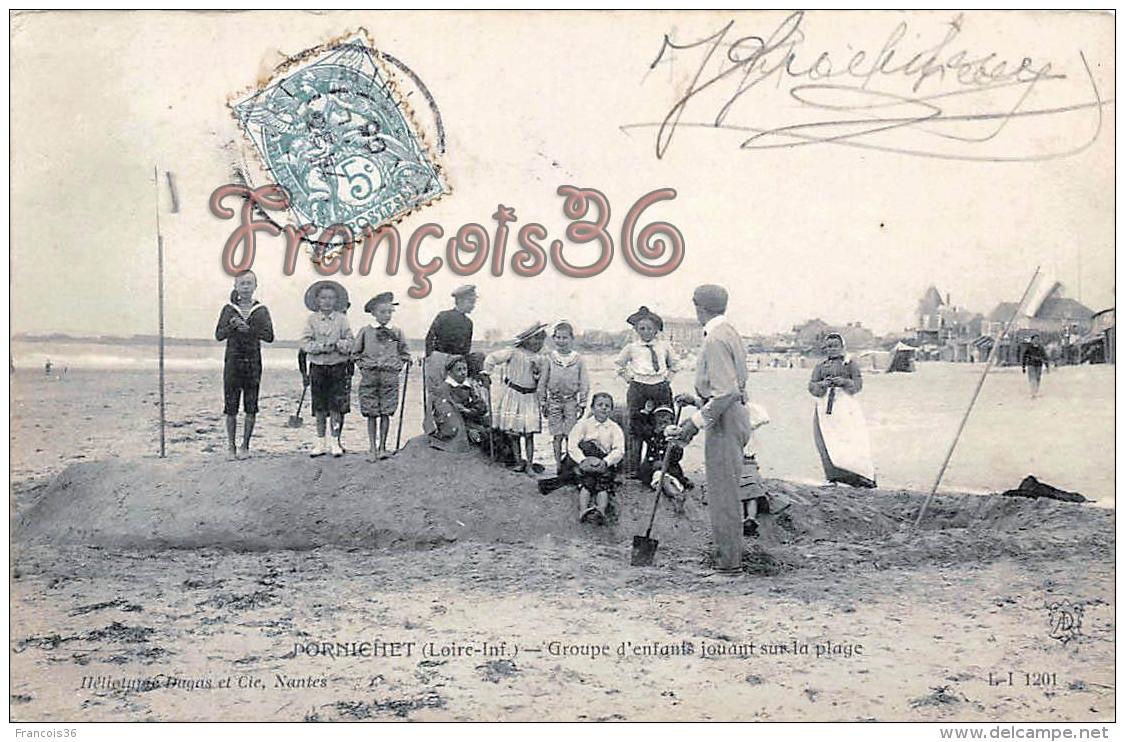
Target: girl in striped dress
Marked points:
518	413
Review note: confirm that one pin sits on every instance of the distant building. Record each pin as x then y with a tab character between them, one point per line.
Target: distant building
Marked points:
603	340
683	332
929	317
948	330
811	334
778	342
1100	345
1058	315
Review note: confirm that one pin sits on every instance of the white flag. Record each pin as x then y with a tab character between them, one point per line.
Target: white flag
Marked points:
1042	289
173	192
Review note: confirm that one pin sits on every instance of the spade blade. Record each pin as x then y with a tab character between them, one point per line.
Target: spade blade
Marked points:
644	549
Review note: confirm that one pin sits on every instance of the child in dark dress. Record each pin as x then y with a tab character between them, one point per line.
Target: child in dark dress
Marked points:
467	400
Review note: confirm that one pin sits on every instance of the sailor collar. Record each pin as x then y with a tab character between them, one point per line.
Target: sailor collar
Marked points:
568	360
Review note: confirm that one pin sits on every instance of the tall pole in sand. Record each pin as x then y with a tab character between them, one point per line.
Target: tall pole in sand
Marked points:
160	285
160	299
976	393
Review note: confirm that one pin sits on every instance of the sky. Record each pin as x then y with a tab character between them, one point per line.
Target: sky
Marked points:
534	101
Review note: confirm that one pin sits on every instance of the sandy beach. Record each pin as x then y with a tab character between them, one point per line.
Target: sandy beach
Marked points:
1064	437
149	589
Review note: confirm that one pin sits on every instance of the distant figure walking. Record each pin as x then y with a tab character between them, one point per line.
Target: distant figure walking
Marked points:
1033	362
47	367
243	323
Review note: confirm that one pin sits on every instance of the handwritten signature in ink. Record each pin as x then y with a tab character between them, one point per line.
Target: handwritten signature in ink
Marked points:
877	101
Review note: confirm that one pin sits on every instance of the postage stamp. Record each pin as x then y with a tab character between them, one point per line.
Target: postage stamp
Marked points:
330	128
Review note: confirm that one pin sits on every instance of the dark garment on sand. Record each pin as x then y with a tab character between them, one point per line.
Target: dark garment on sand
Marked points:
1032	487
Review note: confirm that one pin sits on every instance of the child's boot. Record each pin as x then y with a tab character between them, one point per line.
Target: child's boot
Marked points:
602	509
321	447
584	509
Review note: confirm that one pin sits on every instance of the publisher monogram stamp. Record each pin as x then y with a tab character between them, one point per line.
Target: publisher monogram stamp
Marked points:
1065	620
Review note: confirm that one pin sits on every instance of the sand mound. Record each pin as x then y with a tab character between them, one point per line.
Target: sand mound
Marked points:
422	499
417	499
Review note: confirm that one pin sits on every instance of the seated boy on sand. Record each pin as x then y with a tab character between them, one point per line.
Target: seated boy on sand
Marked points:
598	445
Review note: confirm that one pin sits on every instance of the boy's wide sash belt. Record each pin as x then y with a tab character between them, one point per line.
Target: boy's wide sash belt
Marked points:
520	388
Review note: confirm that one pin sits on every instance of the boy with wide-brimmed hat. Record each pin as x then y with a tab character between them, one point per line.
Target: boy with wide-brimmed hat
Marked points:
327	342
380	351
648	364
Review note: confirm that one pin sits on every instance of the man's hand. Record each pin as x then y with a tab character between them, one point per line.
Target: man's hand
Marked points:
681	434
686	400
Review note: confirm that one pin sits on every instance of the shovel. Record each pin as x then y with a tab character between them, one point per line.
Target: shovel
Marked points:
644	547
295	420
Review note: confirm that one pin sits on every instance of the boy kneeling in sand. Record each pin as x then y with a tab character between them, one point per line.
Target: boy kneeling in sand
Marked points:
598	445
676	482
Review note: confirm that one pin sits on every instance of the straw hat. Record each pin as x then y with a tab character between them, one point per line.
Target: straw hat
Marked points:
342	302
593	465
532	330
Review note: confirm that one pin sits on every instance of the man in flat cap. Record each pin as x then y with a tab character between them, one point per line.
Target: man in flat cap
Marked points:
451	334
720	386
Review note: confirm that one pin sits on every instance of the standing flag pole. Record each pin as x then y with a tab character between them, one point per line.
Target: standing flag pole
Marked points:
976	392
160	289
